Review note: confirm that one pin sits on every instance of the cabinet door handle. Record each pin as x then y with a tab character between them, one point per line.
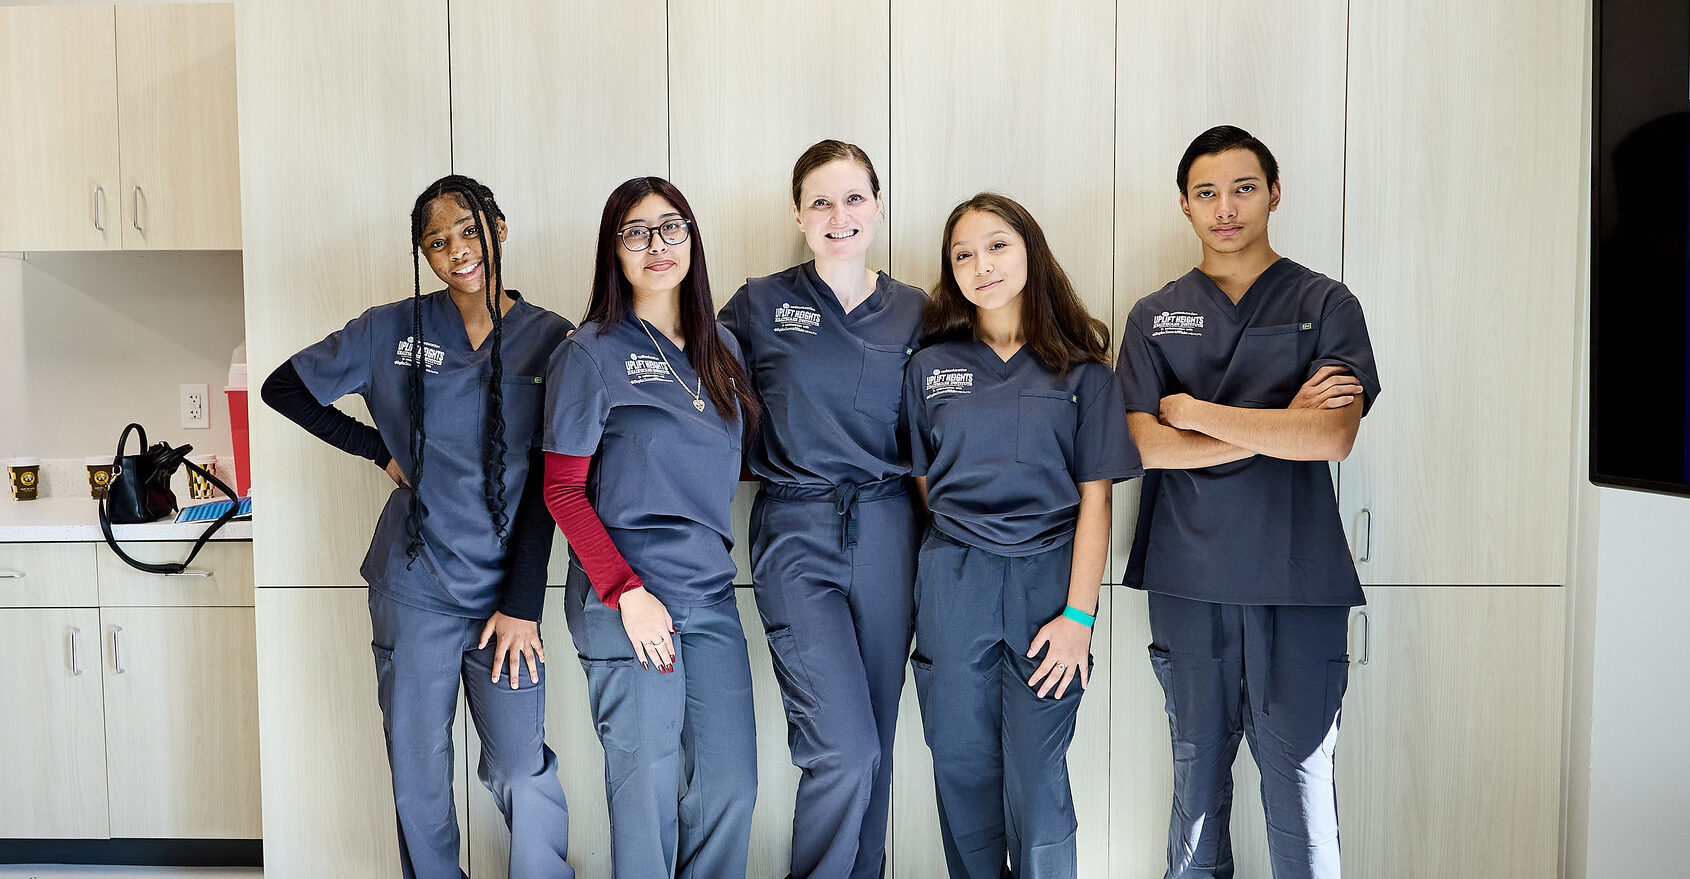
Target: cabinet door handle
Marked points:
75	651
1365	539
99	208
116	657
1366	637
135	216
193	572
11	574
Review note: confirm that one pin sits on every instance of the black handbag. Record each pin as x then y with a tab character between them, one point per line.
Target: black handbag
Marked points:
140	492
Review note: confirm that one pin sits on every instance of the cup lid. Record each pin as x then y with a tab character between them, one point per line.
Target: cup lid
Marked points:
99	459
25	462
202	460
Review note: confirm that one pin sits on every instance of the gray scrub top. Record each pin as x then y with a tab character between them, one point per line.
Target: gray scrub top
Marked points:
1004	444
1260	530
663	473
460	567
831	383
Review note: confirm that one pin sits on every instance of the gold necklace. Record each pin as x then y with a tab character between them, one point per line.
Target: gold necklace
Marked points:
697	398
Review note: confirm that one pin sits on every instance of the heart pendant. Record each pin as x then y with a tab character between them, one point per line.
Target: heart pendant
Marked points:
698	404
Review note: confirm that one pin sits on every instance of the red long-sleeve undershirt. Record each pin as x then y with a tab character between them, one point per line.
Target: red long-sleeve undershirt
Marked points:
566	498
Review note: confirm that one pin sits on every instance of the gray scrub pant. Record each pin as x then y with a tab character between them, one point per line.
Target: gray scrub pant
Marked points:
420	658
999	751
1276	673
680	749
833	568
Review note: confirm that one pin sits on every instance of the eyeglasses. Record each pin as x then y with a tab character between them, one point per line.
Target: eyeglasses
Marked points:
638	238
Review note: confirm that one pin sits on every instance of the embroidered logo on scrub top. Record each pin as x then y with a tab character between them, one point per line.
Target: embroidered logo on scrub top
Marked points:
644	368
949	381
791	318
1177	323
433	355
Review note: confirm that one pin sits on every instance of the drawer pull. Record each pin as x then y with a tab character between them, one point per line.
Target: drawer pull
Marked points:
193	573
135	218
99	208
116	657
76	651
1366	636
11	574
1365	541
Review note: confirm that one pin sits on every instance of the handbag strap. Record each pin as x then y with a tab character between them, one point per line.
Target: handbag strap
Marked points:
169	567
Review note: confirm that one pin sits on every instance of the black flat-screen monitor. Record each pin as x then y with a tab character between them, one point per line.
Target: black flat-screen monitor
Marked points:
1640	277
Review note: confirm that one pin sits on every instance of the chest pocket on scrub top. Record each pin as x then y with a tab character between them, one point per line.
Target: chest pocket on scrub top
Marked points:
524	401
1045	424
880	385
1270	364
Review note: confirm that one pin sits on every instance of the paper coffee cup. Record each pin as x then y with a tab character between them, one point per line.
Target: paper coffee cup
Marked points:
25	476
199	487
100	470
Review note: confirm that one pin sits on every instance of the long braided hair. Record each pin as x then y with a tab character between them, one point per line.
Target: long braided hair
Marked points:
612	300
476	198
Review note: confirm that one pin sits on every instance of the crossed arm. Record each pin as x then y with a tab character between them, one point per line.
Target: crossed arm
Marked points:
1188	434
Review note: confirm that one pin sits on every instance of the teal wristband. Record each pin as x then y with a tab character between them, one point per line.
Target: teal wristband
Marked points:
1078	616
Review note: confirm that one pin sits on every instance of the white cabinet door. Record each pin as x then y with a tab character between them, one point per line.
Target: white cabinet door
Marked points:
1461	467
178	135
58	149
1450	757
328	793
54	780
181	722
751	84
553	132
345	115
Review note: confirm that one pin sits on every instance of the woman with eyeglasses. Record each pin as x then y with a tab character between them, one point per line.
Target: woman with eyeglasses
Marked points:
833	529
646	404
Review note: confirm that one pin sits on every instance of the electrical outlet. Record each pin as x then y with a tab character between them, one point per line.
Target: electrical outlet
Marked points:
194	413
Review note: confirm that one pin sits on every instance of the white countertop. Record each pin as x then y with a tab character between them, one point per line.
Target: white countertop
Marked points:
77	519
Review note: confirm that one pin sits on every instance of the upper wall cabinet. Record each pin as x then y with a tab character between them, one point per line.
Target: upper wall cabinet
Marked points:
347	118
1462	238
58	148
130	141
176	127
751	84
550	132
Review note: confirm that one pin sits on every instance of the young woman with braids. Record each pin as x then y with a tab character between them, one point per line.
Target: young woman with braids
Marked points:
645	407
833	529
1017	430
457	567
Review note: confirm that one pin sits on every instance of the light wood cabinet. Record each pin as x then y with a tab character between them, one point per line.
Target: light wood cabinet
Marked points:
177	132
132	722
221	576
349	117
537	124
1014	99
751	84
1459	476
54	783
181	716
131	135
48	575
1449	756
58	149
327	792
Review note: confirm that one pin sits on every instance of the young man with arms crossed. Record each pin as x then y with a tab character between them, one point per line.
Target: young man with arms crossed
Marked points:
1243	379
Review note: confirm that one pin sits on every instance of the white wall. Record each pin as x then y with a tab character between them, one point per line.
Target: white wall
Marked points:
1640	713
93	341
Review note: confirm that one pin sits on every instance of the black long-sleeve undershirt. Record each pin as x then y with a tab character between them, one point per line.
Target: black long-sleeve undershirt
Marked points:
523	594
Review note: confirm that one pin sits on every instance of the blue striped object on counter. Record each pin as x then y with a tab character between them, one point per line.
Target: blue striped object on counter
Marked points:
208	512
